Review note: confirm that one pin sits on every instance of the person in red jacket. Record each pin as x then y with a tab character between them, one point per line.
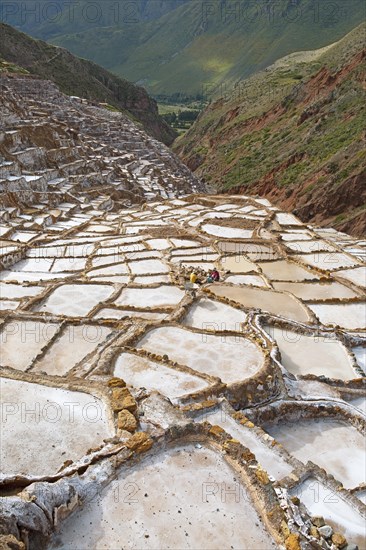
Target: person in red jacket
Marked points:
215	275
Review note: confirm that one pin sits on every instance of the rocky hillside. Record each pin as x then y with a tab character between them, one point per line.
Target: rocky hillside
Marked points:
184	46
79	77
294	133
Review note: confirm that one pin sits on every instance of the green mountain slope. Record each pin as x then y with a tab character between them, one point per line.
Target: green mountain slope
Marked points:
192	46
295	133
75	76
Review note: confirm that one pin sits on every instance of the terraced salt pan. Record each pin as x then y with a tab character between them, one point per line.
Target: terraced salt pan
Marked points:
254	280
209	314
227	232
296	235
303	247
75	343
148	266
238	264
112	279
359	403
99	261
33	264
287	219
350	316
331	444
327	260
303	354
22	341
201	257
68	264
356	275
203	250
28	277
271	461
159	244
110	313
115	269
100	228
43	426
23	236
316	291
187	511
230	358
267	300
151	279
75	300
46	252
360	354
8	305
322	501
140	372
144	298
255	251
283	270
80	250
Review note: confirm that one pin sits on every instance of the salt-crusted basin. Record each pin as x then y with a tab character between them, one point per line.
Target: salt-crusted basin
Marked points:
267	300
231	358
43	426
161	509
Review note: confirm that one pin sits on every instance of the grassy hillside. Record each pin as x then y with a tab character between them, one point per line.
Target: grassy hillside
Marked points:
80	77
295	133
172	46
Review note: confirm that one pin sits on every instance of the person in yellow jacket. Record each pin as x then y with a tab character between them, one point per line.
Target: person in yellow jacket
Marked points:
193	277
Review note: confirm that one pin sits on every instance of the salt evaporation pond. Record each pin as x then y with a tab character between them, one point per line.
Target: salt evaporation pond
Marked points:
209	314
360	354
245	280
111	313
316	291
283	270
22	341
332	444
351	316
322	501
42	427
254	251
75	300
156	508
231	358
356	275
238	264
72	346
269	459
163	296
147	266
17	291
227	232
304	354
327	260
141	372
267	300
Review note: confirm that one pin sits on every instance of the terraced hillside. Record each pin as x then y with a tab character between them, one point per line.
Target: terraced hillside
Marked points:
141	408
79	77
166	414
294	133
54	147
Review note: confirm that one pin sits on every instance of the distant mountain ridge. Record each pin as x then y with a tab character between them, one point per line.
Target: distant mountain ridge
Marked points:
294	133
79	77
188	46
